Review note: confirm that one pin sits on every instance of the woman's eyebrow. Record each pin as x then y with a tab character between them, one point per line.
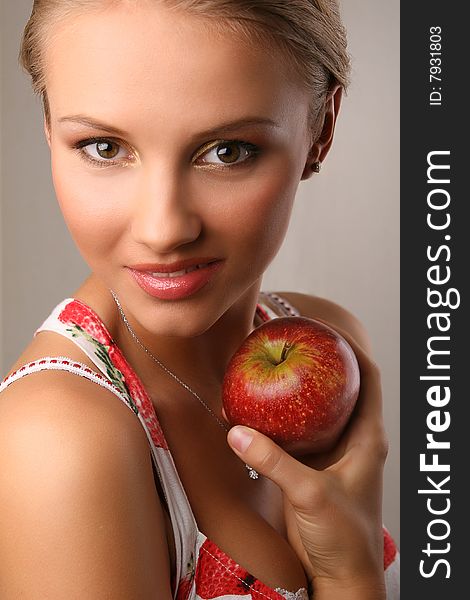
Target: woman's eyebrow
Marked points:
238	124
218	130
93	123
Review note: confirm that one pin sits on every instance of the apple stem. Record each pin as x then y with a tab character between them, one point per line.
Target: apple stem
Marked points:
285	349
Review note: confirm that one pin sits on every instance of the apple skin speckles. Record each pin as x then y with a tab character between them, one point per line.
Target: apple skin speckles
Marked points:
294	379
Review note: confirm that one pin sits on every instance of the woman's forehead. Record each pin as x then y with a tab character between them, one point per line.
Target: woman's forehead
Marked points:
149	60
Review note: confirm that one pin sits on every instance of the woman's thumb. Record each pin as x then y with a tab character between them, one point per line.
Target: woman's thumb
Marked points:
266	457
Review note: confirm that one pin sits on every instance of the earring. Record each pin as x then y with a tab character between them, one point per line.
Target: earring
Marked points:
316	166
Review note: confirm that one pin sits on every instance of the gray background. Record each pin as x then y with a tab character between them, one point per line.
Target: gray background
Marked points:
343	238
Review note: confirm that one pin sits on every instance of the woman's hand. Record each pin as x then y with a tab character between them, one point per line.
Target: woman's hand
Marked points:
333	501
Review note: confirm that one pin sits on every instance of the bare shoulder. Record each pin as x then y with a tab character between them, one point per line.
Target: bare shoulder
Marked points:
76	485
327	310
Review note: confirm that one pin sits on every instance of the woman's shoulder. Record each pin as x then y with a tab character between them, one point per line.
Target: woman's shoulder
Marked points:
67	408
326	310
60	404
76	474
64	401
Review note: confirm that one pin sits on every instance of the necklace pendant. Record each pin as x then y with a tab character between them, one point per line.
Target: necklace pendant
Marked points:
251	472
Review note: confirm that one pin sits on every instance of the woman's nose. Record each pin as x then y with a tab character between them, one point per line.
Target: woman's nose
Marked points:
163	215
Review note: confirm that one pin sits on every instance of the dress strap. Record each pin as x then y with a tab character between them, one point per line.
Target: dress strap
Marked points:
63	363
284	307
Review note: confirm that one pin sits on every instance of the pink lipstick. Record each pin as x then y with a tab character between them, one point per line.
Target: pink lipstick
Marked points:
175	280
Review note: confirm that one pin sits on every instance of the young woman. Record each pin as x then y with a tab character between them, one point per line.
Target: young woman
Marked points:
179	132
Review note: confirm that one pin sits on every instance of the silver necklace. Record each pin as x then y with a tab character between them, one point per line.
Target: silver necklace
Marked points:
251	472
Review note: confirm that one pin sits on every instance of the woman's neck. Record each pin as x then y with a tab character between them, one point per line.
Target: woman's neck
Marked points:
198	361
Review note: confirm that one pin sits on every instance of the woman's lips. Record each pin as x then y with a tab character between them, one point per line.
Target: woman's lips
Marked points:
178	284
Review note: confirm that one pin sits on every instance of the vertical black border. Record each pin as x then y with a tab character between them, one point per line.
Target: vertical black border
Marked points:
425	129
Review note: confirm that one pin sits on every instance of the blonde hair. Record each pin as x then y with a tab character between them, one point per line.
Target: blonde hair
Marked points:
308	32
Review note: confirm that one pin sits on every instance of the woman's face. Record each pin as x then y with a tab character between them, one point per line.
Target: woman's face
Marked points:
197	148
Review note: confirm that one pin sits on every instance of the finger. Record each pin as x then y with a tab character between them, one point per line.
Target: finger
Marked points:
363	446
268	459
363	460
367	418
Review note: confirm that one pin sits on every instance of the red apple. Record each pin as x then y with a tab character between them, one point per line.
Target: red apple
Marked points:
294	379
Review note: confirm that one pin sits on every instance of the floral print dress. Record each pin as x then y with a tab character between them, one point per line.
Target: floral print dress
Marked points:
203	571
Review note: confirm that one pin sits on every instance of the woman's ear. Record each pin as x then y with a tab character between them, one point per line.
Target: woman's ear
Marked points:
322	145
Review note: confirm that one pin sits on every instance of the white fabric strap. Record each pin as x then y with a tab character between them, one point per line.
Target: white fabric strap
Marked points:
284	304
63	363
301	594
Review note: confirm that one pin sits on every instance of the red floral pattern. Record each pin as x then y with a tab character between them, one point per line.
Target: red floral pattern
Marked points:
80	314
83	321
390	550
186	582
219	575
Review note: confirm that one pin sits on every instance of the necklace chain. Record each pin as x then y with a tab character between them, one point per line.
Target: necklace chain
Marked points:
252	473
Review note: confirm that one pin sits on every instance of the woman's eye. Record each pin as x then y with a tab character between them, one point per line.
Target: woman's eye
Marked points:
103	152
228	153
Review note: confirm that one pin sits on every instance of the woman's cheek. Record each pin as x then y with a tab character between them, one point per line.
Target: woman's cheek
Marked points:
90	206
264	212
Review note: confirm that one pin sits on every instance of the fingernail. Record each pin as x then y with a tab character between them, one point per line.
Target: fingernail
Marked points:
240	438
